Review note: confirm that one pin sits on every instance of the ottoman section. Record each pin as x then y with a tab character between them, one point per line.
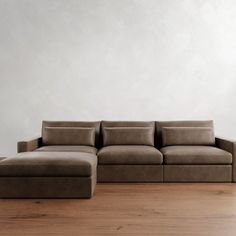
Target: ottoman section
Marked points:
48	175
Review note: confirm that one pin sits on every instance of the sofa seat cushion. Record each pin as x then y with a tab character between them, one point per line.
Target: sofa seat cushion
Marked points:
49	164
195	155
67	148
129	154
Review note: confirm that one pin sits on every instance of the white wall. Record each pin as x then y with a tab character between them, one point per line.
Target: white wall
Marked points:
115	59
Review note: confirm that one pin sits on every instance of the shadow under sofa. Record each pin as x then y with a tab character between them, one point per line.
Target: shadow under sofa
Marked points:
70	157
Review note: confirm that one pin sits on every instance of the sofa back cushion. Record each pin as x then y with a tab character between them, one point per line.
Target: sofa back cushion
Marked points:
73	124
128	136
188	136
69	136
188	123
128	133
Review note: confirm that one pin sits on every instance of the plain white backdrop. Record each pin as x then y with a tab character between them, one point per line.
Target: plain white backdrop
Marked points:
115	60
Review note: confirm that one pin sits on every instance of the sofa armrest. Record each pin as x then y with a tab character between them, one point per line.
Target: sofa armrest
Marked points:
30	145
229	146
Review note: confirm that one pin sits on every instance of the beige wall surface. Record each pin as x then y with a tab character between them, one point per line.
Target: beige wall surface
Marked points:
115	59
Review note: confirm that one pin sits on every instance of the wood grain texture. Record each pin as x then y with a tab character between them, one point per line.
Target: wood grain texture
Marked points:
127	209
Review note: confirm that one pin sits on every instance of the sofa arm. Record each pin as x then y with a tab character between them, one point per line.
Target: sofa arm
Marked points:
30	145
229	146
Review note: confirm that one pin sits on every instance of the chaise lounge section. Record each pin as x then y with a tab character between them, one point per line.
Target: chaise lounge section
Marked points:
62	163
48	174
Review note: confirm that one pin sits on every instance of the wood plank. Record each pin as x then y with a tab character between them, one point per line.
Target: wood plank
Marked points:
127	209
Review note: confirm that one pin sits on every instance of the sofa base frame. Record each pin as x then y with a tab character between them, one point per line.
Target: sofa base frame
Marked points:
130	173
47	187
198	173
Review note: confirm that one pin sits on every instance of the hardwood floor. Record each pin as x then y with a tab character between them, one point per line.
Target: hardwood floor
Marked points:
127	209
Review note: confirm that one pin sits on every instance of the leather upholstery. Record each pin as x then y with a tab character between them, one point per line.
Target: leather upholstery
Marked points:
129	154
197	173
30	145
130	173
79	124
187	136
128	124
69	136
49	164
187	123
67	148
195	155
47	187
229	146
50	167
128	136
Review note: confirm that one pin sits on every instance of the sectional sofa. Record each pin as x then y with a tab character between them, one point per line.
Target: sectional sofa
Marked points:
72	156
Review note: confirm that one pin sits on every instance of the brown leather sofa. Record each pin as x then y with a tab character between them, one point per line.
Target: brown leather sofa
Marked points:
70	157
